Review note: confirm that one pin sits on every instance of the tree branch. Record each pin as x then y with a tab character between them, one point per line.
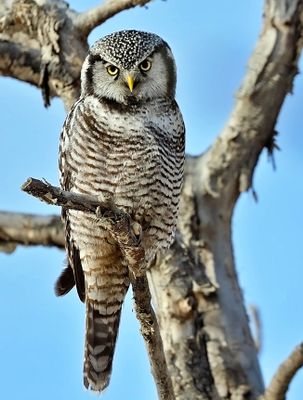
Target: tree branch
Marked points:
151	334
28	229
126	232
41	46
53	195
20	62
45	43
251	127
279	385
88	20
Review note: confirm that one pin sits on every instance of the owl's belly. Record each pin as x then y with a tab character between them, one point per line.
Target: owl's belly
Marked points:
127	169
135	188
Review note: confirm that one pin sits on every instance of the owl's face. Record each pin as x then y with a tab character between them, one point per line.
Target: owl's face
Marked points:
128	67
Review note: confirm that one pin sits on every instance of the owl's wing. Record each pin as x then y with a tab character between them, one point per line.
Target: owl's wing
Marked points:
73	273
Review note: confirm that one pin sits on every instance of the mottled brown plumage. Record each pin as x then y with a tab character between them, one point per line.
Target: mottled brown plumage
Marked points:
123	141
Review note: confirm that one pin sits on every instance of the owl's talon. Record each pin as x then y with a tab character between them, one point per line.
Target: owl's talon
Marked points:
137	231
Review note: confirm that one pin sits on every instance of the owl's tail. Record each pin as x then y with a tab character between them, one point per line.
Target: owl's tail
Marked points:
102	324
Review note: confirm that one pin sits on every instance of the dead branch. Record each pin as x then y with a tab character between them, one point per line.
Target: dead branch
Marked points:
49	194
280	382
251	126
45	43
151	334
20	62
28	230
42	47
125	231
88	20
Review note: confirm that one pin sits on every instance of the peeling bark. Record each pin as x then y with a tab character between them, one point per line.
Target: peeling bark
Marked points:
176	286
46	31
212	186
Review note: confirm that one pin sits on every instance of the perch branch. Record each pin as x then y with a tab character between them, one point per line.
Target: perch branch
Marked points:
88	20
151	334
279	385
28	229
127	234
54	195
125	231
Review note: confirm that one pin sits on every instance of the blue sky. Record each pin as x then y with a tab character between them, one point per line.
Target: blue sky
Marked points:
41	342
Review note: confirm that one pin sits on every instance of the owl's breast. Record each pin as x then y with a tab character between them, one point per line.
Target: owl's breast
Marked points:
116	158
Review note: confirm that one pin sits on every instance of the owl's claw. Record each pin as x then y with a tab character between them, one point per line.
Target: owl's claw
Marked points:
137	231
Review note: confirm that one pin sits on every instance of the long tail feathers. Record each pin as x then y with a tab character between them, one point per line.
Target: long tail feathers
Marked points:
101	335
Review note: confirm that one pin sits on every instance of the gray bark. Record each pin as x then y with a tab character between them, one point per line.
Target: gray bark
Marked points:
208	346
29	230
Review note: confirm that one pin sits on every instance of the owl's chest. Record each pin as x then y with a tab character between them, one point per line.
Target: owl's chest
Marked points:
120	161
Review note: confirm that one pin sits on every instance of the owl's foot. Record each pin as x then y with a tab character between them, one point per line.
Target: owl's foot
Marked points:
137	231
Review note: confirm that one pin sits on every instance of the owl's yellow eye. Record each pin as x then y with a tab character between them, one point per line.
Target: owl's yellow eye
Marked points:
112	70
145	65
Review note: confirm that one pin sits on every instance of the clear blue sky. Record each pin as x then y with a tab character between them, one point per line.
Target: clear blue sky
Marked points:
41	343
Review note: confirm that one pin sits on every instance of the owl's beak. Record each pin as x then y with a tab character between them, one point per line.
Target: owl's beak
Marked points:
130	81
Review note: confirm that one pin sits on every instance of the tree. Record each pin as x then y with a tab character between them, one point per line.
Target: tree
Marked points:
196	290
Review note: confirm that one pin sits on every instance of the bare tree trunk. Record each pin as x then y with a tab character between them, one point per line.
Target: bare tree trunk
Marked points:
213	183
208	347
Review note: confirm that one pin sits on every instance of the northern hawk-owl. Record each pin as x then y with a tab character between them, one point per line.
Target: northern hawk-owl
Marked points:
123	142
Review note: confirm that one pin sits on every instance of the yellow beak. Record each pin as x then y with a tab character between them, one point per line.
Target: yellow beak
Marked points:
130	82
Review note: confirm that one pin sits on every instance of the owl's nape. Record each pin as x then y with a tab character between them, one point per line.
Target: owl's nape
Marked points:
128	67
123	141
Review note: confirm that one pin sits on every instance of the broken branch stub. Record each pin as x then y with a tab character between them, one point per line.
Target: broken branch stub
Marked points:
126	233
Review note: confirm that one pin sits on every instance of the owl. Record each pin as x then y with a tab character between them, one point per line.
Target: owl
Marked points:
122	142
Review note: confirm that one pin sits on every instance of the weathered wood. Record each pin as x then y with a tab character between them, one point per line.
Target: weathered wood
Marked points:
150	331
29	230
88	20
125	232
212	186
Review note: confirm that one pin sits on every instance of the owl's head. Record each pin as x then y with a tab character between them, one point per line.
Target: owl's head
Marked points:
129	66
